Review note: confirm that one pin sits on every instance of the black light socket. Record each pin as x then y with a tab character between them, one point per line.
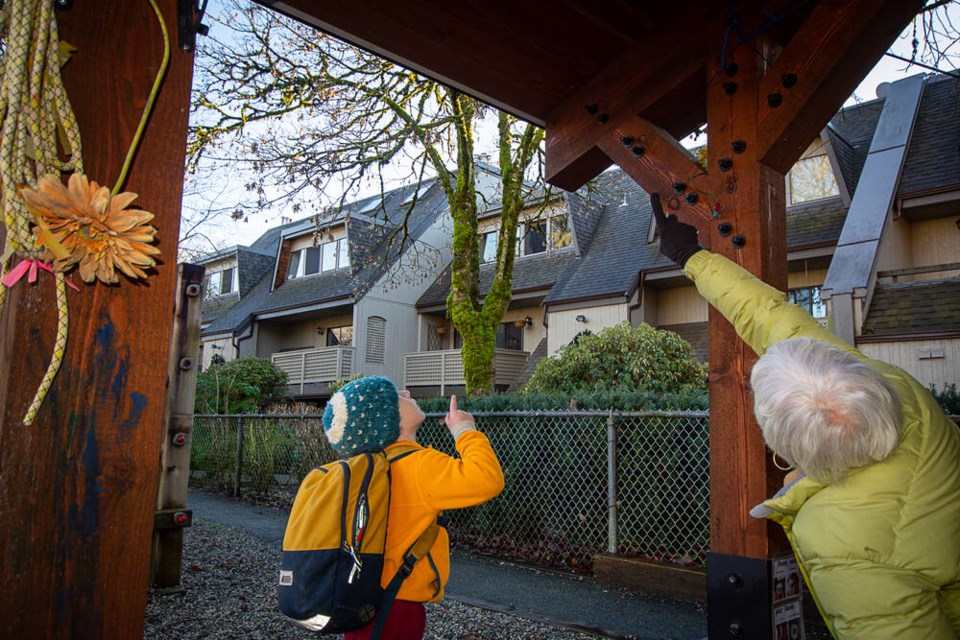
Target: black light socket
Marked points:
738	241
774	100
603	117
739	146
638	151
691	198
729	88
679	187
731	69
593	109
626	140
789	80
725	164
724	229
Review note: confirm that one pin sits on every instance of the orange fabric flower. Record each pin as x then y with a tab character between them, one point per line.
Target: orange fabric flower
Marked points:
96	230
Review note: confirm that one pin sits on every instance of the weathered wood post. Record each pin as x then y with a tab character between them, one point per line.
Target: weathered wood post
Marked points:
78	488
172	515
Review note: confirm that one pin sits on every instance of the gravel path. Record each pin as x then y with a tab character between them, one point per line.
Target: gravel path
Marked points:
229	592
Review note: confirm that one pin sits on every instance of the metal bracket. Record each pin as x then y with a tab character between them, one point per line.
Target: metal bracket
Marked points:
738	593
189	16
172	519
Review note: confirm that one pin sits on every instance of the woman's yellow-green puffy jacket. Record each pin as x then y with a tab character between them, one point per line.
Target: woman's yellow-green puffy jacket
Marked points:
880	548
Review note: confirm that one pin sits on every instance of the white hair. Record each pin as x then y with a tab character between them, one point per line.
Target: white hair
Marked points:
823	410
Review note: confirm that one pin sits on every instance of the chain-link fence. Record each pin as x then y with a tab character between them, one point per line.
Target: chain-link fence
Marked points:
577	483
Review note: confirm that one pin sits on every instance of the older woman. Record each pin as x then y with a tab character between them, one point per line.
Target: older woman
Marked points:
874	513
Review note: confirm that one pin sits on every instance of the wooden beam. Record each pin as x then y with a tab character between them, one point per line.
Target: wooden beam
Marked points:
78	488
656	161
622	91
828	57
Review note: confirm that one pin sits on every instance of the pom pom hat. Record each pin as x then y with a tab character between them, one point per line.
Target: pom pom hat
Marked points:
363	416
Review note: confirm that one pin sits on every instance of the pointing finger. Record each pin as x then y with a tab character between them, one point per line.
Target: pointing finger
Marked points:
453	404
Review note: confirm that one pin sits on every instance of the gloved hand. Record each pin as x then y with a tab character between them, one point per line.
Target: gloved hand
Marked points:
678	240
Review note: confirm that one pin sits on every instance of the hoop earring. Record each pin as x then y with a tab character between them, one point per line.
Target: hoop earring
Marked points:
777	464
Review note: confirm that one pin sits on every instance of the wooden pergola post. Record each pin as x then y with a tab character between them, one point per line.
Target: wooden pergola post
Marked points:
78	488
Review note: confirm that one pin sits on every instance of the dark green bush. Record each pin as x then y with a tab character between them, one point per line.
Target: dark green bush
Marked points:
620	358
949	398
245	385
684	398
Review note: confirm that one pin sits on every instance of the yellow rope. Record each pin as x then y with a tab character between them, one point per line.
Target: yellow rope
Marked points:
59	348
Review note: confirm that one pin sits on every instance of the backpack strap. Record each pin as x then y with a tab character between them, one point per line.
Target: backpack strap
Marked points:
417	550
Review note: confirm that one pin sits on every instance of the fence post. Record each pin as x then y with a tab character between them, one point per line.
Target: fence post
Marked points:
612	504
239	469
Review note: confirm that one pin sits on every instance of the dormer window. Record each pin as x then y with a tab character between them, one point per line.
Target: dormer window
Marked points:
328	256
222	282
545	235
535	236
811	179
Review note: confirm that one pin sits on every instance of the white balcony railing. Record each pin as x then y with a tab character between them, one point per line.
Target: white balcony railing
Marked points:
445	368
306	366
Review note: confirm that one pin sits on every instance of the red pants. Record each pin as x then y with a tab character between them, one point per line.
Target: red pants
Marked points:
406	621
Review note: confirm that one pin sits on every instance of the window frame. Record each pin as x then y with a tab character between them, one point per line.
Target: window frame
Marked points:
300	258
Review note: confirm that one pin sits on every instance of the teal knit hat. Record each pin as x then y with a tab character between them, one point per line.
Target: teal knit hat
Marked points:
363	416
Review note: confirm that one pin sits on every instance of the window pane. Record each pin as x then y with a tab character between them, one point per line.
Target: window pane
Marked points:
509	336
329	256
560	236
535	241
213	284
226	281
809	298
343	253
311	261
340	336
489	247
294	269
812	179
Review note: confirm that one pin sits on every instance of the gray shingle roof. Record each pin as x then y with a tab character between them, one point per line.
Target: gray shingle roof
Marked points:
253	266
933	159
851	132
530	273
914	307
814	223
619	250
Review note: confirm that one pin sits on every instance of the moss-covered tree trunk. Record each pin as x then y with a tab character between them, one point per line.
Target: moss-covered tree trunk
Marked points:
476	320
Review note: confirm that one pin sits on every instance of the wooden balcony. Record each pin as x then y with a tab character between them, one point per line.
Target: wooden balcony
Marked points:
445	368
323	365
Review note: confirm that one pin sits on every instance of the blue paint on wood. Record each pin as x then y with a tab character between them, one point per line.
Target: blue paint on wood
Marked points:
85	519
138	403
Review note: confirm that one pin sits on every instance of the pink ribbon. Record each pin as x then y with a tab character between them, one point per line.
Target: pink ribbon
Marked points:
30	267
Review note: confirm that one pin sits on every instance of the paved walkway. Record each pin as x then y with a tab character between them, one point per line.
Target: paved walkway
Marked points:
544	596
